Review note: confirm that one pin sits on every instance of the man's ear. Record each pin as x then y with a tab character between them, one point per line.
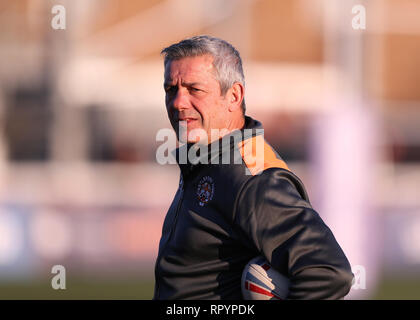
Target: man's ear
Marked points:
236	96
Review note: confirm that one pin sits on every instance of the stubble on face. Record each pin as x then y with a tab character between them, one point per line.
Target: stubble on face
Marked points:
193	98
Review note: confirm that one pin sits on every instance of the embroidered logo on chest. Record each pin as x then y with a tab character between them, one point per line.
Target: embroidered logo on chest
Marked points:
205	190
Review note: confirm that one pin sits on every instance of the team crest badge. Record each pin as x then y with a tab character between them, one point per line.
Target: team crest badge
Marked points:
205	190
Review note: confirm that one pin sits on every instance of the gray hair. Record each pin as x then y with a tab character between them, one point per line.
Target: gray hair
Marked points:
226	59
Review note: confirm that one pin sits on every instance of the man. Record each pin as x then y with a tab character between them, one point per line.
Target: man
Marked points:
225	214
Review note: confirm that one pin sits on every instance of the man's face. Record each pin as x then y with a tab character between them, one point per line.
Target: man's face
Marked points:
193	96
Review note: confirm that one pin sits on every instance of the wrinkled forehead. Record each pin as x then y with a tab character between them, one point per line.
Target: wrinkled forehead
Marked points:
190	68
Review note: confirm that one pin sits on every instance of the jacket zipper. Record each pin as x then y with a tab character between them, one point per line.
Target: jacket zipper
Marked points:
171	231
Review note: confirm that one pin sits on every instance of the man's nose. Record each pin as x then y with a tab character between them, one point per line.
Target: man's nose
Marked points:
181	100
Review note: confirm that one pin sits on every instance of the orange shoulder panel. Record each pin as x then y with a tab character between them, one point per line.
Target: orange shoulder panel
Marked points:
259	156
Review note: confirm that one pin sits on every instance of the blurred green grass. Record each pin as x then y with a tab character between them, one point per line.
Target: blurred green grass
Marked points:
80	288
141	288
398	288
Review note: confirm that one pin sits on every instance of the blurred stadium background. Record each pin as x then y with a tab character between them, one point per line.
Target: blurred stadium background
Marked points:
80	109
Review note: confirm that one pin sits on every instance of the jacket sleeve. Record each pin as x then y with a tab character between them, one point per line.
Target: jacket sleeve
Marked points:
273	211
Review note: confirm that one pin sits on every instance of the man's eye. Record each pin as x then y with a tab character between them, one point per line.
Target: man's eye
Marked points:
169	89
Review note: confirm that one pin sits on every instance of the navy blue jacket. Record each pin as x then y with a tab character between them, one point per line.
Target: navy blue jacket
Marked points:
223	215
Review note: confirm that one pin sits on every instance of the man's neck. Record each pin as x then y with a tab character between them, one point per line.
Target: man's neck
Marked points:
234	124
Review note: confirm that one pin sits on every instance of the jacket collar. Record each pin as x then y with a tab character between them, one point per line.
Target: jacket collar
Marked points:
217	148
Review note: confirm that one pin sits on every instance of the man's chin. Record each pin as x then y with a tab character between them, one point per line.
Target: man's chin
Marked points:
182	139
196	135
